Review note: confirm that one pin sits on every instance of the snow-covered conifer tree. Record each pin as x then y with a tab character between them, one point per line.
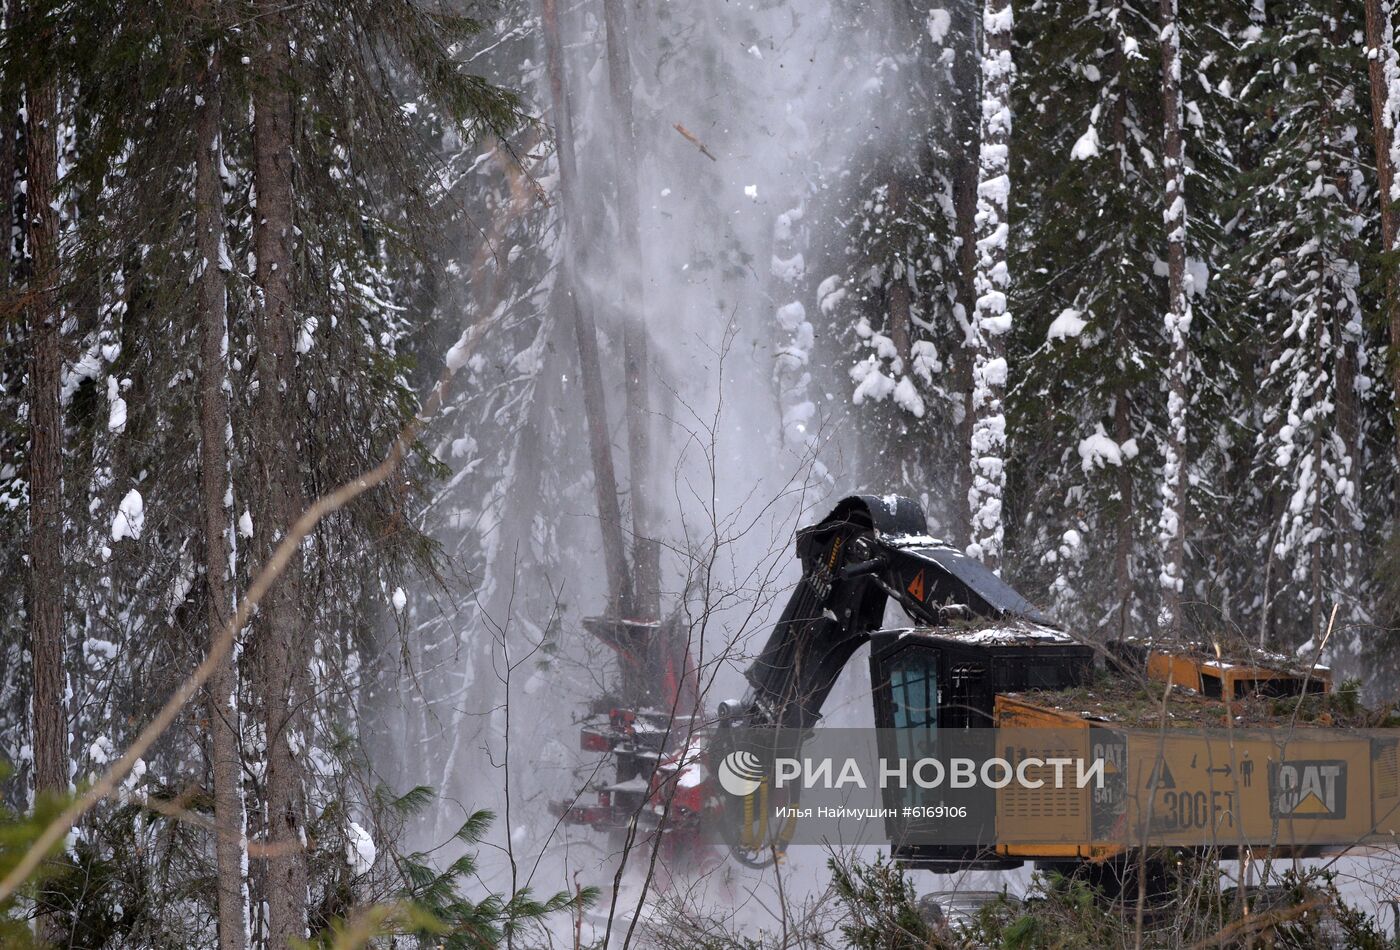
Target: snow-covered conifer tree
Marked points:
1306	288
1089	353
896	299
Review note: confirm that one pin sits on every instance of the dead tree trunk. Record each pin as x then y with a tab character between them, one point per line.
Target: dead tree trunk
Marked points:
1172	527
216	491
278	497
646	546
585	330
45	442
1384	64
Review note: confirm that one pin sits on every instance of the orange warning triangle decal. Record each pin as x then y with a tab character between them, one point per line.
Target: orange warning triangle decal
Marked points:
916	586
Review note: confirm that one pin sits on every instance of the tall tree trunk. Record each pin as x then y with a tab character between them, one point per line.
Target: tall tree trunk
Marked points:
278	497
1172	527
216	490
991	320
1122	416
1384	65
901	323
46	443
1318	446
1347	336
966	77
646	546
45	574
1123	546
506	593
1348	530
9	142
792	332
585	330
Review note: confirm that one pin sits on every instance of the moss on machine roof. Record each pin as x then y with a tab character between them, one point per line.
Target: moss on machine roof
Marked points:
1131	700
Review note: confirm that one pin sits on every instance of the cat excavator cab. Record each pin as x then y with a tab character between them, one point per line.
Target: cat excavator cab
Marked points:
973	637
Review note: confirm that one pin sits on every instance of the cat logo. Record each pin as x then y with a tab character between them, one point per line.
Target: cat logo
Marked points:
1308	788
1112	753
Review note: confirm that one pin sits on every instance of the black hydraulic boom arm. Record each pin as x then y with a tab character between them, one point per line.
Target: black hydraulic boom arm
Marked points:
868	550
